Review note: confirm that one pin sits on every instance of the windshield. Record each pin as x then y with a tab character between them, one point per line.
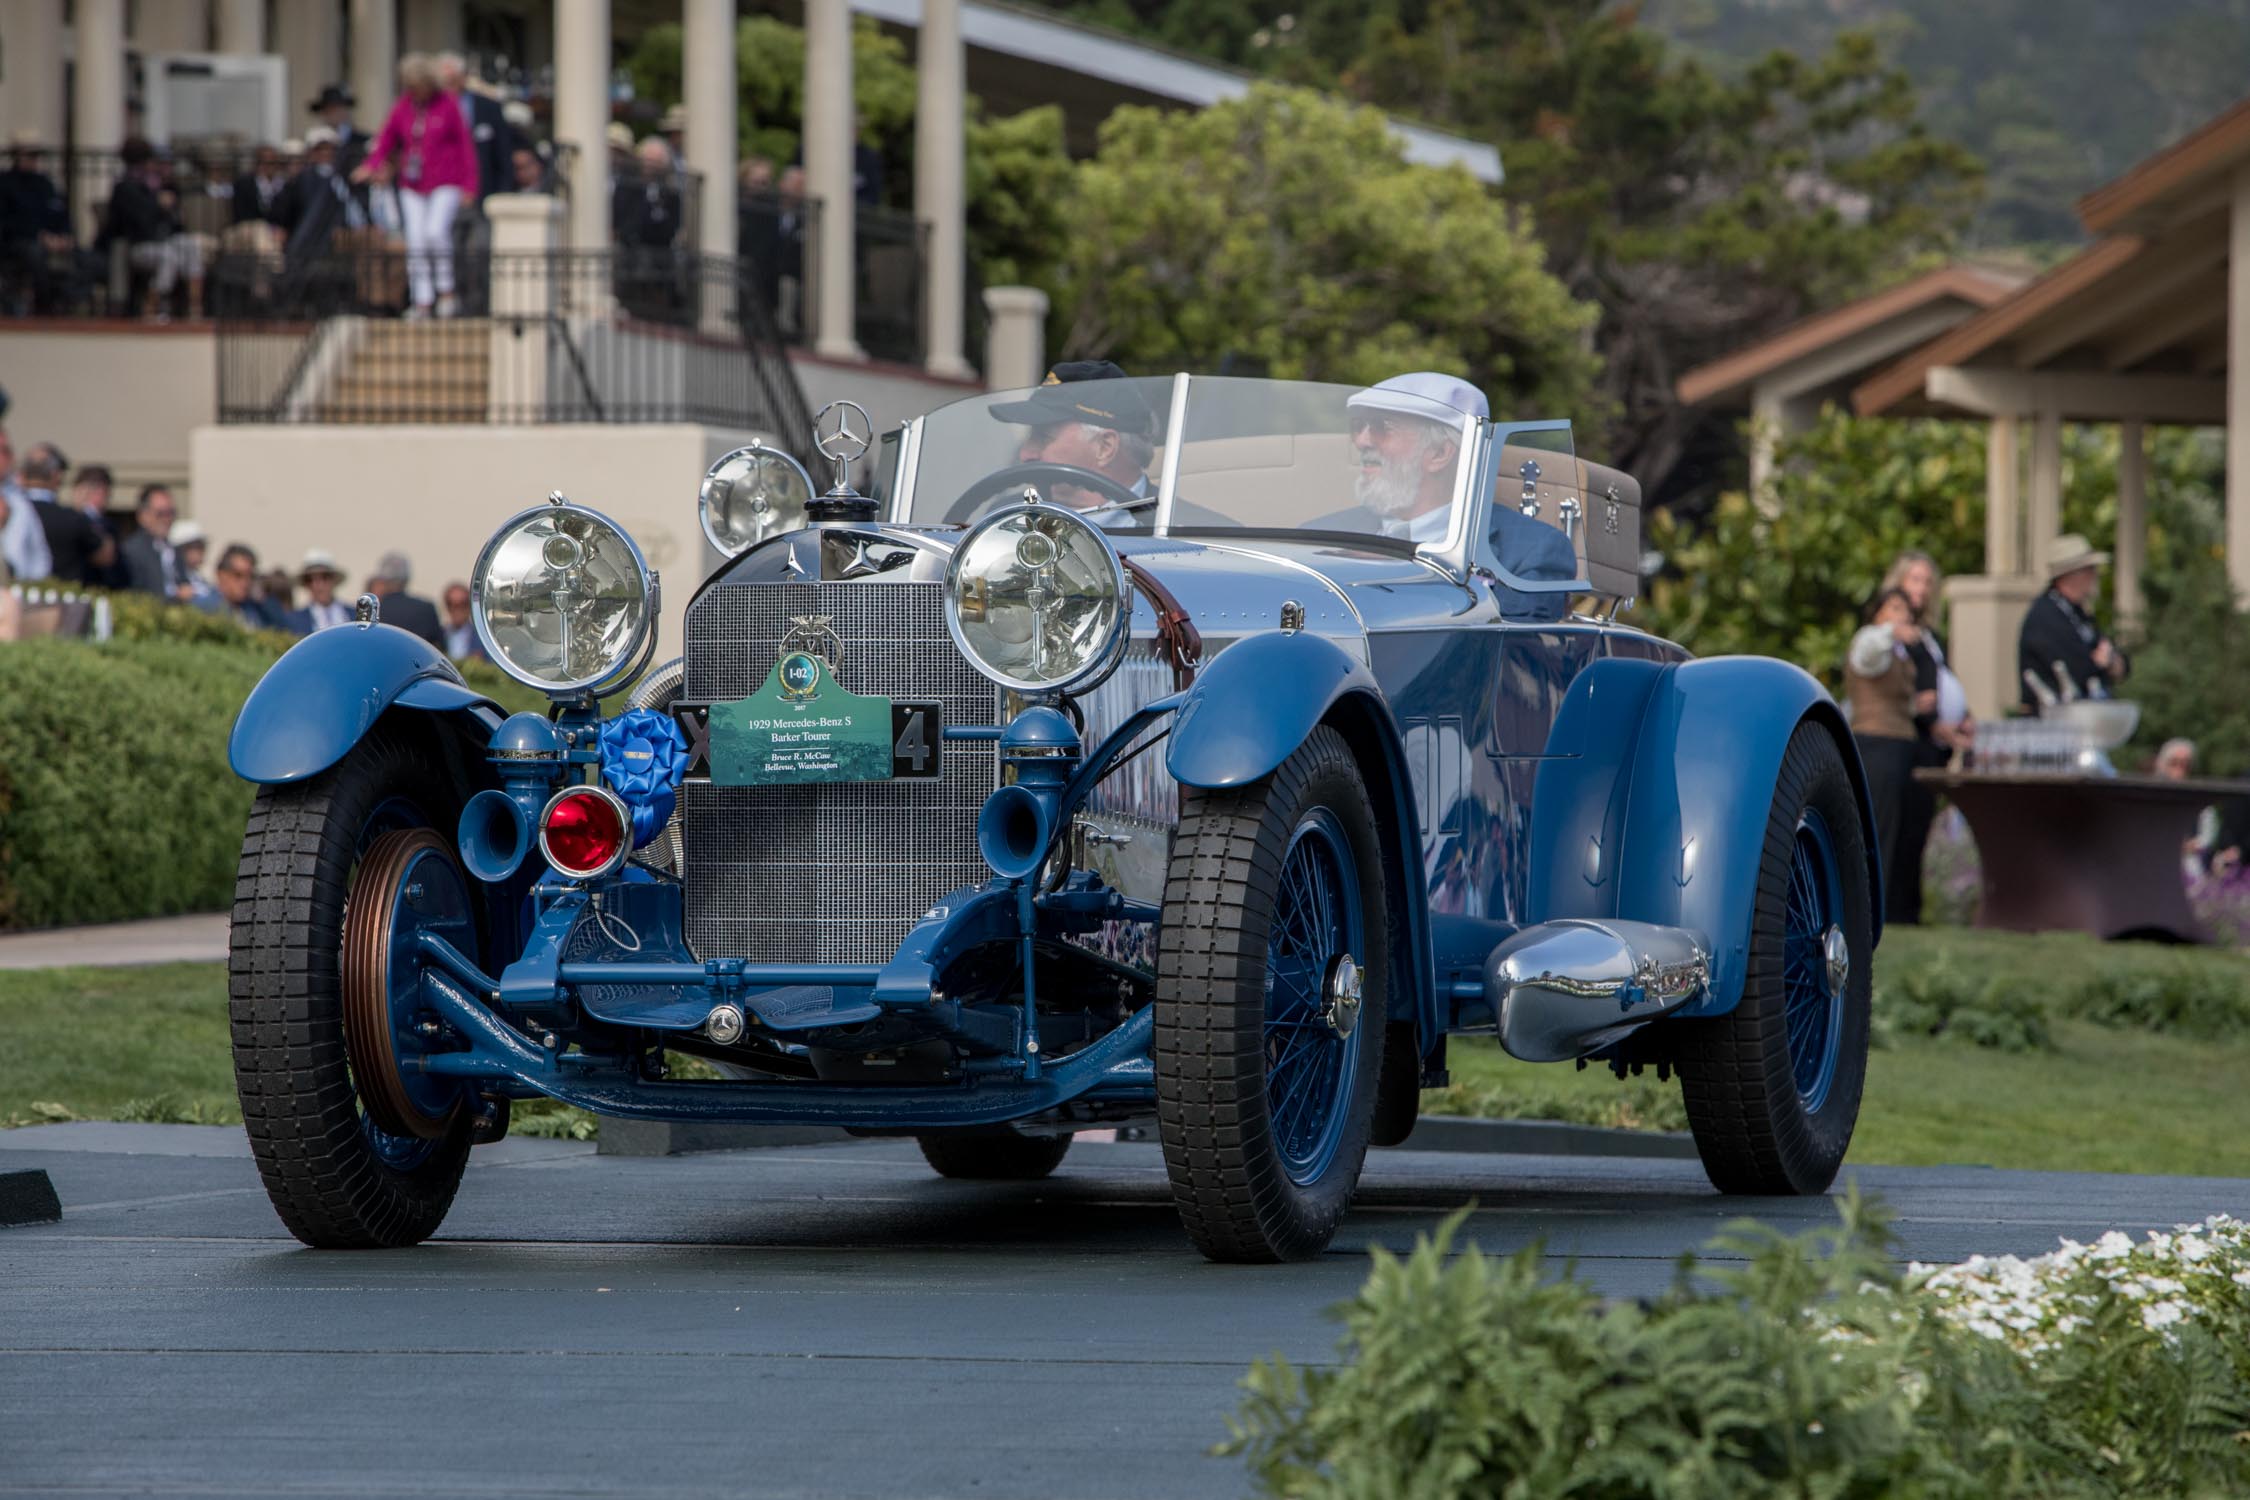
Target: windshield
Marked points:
1252	455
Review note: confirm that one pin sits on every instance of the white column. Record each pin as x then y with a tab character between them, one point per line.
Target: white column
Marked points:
309	34
828	173
582	115
708	64
172	26
2003	522
2045	510
433	26
524	227
2238	385
1015	338
939	201
100	102
374	60
2132	519
1765	436
242	28
31	69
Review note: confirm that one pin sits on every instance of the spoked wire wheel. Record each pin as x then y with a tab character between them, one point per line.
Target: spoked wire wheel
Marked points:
336	1133
1271	1005
1773	1086
1314	992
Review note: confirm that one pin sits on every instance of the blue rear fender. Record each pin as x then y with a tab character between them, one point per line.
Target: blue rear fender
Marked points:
317	702
1655	806
1250	708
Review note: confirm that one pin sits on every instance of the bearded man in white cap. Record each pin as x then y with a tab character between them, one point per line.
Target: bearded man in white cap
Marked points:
1406	434
2060	652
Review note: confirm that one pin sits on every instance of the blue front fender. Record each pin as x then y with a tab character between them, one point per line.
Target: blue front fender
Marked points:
1254	704
1248	711
313	705
1655	807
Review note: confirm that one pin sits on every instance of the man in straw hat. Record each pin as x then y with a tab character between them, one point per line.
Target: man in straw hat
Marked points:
320	575
2061	653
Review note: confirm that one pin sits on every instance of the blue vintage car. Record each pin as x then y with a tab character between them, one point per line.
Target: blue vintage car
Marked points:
1199	752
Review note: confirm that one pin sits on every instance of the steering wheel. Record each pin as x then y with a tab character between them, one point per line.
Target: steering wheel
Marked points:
1041	476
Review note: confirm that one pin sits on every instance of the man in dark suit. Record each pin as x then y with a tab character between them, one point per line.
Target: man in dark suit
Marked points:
2060	652
409	612
334	106
147	553
257	192
82	551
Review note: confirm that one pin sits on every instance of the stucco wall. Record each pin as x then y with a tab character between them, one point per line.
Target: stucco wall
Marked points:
437	493
891	393
127	396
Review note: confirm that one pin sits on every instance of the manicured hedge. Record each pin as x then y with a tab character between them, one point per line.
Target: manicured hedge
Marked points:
115	797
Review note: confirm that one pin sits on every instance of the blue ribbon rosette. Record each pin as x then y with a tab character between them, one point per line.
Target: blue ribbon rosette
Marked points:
644	757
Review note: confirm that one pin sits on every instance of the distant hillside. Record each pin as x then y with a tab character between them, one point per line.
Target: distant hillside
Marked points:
2057	96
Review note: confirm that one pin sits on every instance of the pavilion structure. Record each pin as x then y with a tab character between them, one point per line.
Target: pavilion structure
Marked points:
2146	325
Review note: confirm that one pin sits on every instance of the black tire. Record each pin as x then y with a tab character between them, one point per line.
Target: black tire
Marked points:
1752	1123
1231	1180
994	1158
285	1004
1398	1099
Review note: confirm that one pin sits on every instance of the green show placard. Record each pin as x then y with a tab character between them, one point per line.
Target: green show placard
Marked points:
800	726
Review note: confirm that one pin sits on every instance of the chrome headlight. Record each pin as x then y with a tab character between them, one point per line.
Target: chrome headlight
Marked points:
1036	599
751	494
563	601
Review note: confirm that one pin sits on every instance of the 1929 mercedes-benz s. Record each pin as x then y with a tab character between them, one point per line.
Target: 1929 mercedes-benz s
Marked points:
1197	750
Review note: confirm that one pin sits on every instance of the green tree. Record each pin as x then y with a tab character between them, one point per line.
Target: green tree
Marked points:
1287	227
1790	578
1700	210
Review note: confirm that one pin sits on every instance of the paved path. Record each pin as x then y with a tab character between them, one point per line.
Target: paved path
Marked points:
817	1321
160	940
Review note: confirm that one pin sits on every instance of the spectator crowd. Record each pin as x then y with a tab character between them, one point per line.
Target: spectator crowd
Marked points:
58	528
157	225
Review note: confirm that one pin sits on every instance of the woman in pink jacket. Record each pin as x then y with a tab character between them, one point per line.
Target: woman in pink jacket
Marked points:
437	166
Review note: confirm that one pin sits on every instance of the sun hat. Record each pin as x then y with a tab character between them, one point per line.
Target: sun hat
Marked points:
2070	552
620	135
318	560
185	533
319	135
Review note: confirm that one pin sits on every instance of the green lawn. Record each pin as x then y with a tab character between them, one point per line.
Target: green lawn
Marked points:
2100	1101
152	1044
108	1044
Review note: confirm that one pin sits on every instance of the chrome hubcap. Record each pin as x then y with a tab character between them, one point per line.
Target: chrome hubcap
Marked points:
1341	995
1837	957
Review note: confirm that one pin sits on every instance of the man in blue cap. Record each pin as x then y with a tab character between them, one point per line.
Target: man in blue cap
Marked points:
1088	414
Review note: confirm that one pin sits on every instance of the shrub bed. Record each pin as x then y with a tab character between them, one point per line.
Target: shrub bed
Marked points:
115	797
1808	1366
2004	990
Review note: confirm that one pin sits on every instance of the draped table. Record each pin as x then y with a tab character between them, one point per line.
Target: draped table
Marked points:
2098	854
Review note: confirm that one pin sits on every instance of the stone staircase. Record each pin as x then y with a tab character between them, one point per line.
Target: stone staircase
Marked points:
436	372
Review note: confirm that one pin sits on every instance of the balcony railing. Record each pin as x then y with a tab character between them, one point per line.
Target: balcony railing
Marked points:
780	237
565	336
69	268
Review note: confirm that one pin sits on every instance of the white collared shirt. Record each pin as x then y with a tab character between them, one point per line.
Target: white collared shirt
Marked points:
1429	526
327	616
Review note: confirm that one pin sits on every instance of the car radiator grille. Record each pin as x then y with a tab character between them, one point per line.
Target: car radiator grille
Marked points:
831	872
